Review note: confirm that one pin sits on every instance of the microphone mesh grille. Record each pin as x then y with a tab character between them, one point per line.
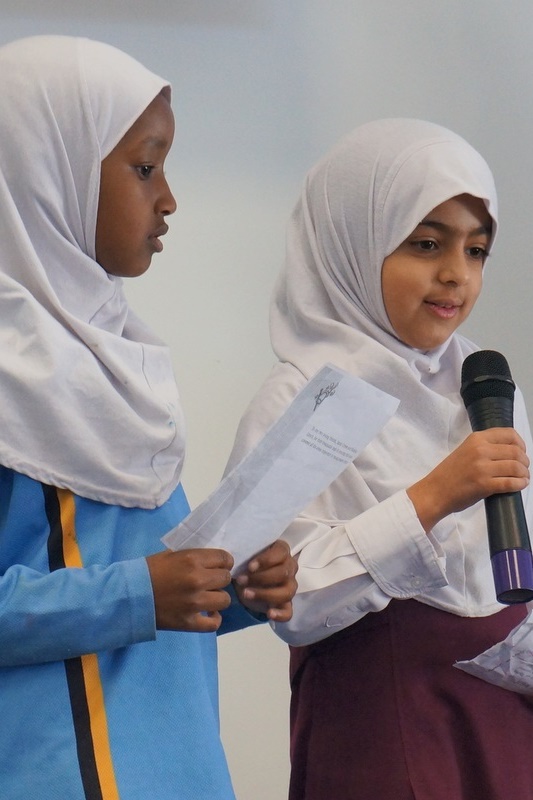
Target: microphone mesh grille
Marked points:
486	374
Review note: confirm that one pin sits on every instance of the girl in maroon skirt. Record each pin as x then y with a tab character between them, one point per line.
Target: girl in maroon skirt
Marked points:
385	259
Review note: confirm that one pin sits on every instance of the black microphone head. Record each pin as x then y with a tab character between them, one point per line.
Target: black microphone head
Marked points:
486	374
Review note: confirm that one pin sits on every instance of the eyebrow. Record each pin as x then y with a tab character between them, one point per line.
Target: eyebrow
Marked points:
442	226
155	141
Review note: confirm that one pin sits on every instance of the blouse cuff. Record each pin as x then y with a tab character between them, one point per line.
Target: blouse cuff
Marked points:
406	564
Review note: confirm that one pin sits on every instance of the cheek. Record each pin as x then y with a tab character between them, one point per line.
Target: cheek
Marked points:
399	297
476	284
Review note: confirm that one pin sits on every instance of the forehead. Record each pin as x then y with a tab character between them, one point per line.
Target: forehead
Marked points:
154	127
463	212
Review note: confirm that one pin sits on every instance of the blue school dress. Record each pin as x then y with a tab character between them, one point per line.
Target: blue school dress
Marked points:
95	704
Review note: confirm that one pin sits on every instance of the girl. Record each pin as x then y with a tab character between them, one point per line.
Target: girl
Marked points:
93	704
385	257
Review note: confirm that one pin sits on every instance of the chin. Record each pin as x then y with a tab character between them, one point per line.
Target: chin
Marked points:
134	271
434	344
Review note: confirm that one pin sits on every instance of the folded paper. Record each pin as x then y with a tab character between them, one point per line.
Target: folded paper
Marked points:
325	427
508	664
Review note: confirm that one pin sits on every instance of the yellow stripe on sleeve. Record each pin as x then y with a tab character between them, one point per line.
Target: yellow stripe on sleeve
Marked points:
91	673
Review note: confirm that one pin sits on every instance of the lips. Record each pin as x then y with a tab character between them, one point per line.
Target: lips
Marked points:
161	231
445	309
155	237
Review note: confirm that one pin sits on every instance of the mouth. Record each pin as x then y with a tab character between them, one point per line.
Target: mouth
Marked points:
445	309
155	237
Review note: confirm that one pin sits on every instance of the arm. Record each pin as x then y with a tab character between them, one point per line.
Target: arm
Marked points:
488	462
353	558
69	612
391	550
349	569
335	585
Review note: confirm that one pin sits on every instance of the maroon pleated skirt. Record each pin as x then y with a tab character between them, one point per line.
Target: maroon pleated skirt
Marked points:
379	712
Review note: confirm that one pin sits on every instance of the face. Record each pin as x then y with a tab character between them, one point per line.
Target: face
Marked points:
134	195
432	280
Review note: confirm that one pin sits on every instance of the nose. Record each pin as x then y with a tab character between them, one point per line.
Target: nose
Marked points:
166	202
455	270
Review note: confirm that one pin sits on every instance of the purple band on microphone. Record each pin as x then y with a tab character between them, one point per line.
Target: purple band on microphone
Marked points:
513	575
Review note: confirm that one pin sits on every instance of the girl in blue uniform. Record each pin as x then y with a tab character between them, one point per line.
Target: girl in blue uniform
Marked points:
108	681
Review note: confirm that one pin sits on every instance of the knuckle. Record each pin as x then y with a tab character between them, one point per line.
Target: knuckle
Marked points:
195	582
189	559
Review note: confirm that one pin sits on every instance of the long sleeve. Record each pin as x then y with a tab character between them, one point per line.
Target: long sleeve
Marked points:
70	612
347	565
346	571
78	584
236	616
73	572
360	543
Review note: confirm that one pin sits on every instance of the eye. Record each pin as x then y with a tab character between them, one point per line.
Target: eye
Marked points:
144	170
426	245
479	253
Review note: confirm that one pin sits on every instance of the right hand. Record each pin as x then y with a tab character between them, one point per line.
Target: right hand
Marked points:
188	588
488	462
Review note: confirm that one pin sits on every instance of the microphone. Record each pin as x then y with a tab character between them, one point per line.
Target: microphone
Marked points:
488	390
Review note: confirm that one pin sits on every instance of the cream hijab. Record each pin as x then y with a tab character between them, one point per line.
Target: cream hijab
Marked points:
88	396
358	204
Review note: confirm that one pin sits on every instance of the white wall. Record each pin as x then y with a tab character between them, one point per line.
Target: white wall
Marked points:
261	89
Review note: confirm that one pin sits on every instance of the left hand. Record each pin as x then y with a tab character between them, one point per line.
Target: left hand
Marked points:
268	584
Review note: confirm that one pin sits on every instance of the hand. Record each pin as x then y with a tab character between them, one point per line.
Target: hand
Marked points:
188	588
488	462
269	584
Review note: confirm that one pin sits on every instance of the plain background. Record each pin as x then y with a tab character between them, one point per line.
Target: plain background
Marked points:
261	89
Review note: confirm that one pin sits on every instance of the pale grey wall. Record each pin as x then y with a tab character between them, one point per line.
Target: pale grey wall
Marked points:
261	89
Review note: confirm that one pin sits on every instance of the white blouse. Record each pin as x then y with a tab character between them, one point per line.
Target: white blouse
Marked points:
353	561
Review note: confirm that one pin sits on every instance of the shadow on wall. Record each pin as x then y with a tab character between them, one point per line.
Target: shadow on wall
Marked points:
235	13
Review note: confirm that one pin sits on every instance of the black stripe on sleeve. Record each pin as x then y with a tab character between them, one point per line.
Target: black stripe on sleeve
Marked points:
73	666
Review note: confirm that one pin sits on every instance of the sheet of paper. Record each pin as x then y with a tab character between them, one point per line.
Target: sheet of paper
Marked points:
508	664
325	427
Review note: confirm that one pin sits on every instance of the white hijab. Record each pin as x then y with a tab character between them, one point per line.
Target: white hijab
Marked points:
359	203
357	206
87	392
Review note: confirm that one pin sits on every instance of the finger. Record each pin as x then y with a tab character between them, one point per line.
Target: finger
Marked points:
213	557
210	601
509	469
204	622
509	452
277	553
213	579
281	614
275	576
275	597
509	485
502	436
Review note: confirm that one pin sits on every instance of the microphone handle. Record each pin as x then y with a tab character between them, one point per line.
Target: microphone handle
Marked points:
490	412
509	544
506	522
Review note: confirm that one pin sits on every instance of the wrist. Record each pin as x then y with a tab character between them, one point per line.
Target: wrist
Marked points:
425	503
